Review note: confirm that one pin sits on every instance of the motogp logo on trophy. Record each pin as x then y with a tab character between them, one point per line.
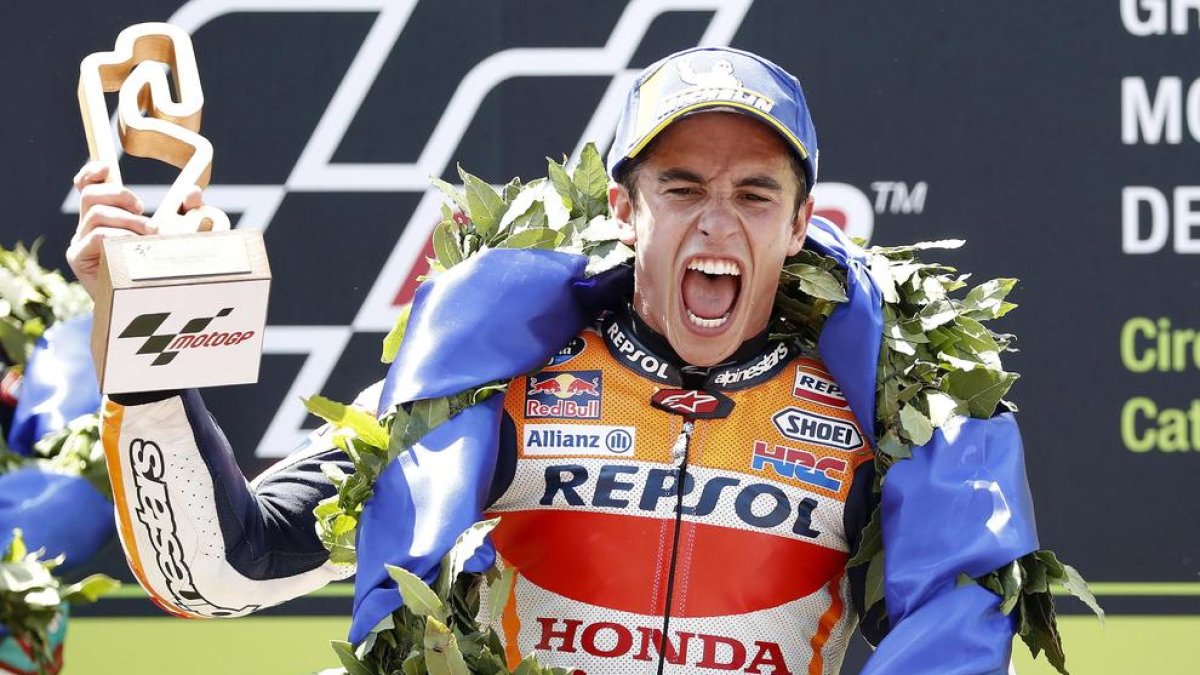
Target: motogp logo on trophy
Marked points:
166	347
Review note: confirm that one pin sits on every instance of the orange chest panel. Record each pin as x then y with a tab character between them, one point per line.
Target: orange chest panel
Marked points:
608	488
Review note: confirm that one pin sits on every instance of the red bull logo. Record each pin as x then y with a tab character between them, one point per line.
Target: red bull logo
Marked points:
564	395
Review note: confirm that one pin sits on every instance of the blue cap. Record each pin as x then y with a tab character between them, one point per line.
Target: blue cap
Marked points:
714	77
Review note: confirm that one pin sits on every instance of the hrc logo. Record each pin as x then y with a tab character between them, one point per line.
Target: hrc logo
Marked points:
800	465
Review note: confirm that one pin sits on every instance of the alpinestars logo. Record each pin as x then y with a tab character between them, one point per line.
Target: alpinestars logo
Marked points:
166	346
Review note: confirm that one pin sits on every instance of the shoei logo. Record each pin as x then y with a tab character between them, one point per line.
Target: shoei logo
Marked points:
166	346
801	425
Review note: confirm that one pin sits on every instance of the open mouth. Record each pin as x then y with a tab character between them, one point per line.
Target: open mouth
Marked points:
710	289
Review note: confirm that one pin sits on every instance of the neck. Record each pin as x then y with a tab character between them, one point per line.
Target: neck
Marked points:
659	344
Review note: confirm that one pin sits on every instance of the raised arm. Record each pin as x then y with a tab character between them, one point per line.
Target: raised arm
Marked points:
200	539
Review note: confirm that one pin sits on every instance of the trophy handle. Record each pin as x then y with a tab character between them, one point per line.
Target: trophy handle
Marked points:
150	123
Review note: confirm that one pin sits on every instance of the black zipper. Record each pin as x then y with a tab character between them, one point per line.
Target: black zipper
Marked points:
679	454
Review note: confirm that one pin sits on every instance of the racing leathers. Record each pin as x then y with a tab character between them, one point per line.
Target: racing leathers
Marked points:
618	570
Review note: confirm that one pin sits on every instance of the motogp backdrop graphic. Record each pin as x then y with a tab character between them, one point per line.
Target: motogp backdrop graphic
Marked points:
1059	139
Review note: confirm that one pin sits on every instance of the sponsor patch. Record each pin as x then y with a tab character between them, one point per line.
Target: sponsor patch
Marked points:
801	425
590	440
815	385
801	465
166	347
639	359
574	348
155	512
693	403
740	377
564	395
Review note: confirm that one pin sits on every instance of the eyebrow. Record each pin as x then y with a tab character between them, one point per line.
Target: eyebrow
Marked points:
689	176
764	182
686	175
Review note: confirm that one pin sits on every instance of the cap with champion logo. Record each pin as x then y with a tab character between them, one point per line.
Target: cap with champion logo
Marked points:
714	77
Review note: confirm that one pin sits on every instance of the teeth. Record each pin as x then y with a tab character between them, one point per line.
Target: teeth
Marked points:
707	323
715	266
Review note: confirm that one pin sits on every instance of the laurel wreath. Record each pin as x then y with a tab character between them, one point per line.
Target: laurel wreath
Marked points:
32	299
938	360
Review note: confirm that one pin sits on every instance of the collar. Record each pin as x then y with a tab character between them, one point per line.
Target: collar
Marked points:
633	344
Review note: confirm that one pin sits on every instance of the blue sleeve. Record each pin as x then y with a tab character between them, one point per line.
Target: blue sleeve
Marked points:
961	504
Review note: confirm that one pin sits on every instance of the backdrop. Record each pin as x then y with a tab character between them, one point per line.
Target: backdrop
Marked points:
1059	139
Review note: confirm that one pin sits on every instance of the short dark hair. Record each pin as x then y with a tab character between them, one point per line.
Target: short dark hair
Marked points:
627	174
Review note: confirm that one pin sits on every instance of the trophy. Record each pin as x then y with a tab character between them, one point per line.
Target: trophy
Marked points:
185	307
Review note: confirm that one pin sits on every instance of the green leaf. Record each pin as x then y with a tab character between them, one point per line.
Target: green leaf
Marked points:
915	425
942	407
464	547
986	301
526	210
1012	578
891	445
607	256
907	251
937	313
21	577
362	423
981	390
485	207
541	238
1042	634
442	655
391	343
816	282
424	416
445	244
874	582
591	181
418	597
871	543
458	198
1076	586
884	274
601	229
562	184
16	547
345	654
498	593
90	589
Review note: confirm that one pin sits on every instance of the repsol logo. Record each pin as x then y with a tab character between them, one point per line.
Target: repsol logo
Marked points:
630	487
627	349
154	511
166	346
606	639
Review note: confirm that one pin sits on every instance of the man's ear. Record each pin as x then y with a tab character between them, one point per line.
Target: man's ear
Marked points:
800	227
620	205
